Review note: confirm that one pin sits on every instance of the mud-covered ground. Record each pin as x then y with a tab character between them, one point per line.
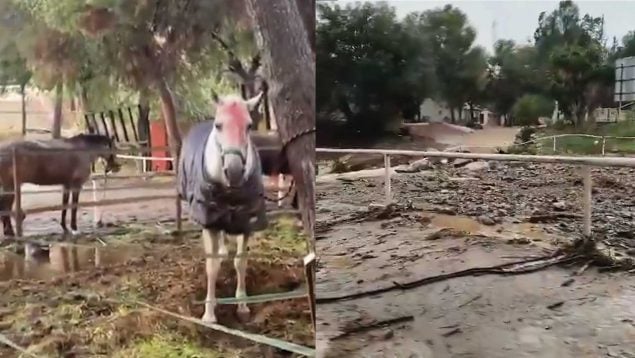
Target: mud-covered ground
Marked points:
77	300
474	216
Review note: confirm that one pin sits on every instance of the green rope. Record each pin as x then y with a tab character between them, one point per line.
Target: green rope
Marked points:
268	297
258	338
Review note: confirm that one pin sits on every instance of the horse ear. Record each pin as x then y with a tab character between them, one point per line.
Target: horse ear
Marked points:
253	102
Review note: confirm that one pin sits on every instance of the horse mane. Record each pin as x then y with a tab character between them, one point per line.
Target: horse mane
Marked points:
91	139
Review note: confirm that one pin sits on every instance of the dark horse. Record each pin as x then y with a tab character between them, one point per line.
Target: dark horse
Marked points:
64	161
272	160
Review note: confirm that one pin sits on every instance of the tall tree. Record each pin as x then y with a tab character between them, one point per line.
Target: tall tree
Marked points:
372	68
460	67
514	71
290	70
575	58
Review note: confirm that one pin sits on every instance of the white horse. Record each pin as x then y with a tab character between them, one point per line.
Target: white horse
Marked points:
220	177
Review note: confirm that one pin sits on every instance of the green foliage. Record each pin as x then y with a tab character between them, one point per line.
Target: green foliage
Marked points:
513	73
110	50
460	68
371	66
529	108
573	54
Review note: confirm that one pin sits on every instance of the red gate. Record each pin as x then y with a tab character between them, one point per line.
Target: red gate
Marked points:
159	139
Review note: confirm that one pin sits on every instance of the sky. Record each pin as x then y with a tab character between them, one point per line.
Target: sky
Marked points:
517	19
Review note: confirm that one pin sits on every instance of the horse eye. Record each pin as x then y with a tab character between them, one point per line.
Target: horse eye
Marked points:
249	126
218	126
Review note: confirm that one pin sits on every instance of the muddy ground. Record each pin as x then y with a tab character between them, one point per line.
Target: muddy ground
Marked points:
457	218
76	301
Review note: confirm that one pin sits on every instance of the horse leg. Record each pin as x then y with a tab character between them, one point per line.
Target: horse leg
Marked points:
75	201
214	244
6	204
65	194
240	264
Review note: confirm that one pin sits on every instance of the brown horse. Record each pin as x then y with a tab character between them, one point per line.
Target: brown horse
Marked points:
64	161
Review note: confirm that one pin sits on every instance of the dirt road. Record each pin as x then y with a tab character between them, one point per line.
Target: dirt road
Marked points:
465	218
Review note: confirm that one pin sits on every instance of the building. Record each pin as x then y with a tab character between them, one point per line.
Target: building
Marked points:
434	111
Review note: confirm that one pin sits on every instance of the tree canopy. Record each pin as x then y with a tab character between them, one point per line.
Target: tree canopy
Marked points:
375	68
109	52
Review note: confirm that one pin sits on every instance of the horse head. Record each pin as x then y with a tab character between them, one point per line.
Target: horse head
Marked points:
103	146
110	157
230	135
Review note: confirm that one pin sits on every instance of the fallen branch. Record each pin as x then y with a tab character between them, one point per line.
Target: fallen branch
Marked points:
514	268
373	325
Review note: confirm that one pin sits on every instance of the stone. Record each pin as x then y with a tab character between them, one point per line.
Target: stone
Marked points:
476	166
461	162
559	206
486	220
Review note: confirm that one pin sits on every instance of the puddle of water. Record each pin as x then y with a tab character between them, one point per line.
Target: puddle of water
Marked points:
459	223
43	262
473	227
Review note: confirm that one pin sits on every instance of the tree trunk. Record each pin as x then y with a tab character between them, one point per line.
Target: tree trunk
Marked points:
290	69
307	11
84	105
452	117
56	131
168	110
472	113
23	108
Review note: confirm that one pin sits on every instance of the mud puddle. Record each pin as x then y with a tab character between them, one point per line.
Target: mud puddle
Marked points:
520	233
41	262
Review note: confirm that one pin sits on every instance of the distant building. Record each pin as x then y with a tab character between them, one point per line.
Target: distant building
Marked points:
434	111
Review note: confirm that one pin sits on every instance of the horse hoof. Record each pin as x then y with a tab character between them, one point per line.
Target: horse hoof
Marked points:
208	318
243	314
75	232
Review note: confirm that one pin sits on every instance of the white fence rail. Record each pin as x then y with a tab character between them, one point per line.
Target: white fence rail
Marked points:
585	162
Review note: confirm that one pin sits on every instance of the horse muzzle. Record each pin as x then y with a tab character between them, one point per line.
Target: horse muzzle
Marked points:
234	169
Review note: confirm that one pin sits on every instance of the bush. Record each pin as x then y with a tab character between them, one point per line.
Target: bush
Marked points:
525	135
529	108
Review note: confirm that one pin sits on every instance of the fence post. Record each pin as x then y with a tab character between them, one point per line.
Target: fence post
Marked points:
96	214
554	144
17	189
603	145
586	172
309	272
387	178
280	186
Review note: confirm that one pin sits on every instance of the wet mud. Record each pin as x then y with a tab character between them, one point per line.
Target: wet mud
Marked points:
451	223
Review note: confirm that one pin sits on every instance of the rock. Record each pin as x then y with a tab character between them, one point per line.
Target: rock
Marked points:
416	166
519	241
559	206
476	166
486	220
461	162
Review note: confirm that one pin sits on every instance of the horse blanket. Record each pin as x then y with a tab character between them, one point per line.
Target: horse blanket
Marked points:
212	205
